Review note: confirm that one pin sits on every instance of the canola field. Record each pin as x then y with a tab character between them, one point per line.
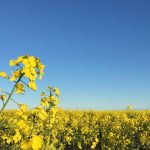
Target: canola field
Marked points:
74	130
46	127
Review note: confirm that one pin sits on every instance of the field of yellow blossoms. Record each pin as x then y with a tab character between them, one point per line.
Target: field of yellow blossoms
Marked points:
73	130
47	127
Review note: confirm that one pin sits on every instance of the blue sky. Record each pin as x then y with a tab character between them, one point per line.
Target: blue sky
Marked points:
97	52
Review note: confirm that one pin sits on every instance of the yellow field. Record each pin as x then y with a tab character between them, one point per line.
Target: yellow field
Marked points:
101	130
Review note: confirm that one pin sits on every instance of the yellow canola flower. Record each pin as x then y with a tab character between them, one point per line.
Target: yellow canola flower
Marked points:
94	143
15	75
23	107
41	69
29	73
3	97
8	140
26	62
20	58
53	100
25	129
42	114
3	74
57	92
42	94
36	142
26	145
51	97
30	67
44	102
19	88
79	145
17	136
32	85
68	139
15	62
32	61
33	71
12	63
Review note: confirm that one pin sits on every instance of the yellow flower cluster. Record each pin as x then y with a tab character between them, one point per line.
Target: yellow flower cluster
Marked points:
27	66
29	130
20	88
30	67
3	97
35	143
23	107
3	74
51	100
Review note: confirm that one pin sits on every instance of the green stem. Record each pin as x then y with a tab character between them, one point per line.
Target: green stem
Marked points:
10	98
15	102
3	103
11	93
5	92
24	83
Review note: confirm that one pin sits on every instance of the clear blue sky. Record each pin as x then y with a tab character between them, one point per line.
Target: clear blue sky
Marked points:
97	52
